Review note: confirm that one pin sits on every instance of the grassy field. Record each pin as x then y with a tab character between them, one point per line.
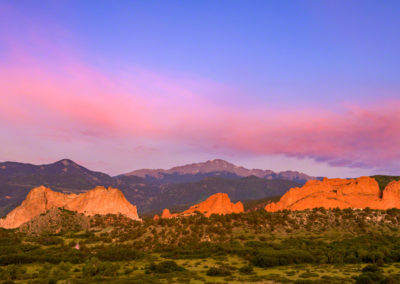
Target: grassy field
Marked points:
195	271
315	246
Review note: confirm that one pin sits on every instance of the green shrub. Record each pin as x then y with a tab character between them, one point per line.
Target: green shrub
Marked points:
371	268
94	267
219	271
308	275
247	269
300	281
369	278
165	267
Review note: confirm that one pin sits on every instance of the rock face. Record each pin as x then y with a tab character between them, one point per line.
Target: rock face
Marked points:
391	195
343	193
38	200
103	201
99	200
167	214
218	203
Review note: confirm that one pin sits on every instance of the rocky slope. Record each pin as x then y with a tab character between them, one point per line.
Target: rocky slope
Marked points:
218	203
343	193
56	221
99	200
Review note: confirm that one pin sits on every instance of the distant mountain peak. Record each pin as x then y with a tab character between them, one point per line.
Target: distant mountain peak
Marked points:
219	162
67	163
215	168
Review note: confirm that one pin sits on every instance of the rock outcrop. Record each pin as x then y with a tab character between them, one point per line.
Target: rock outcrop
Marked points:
342	193
391	195
103	201
167	214
218	203
38	200
99	200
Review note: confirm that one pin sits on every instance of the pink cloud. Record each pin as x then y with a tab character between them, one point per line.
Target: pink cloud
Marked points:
89	105
59	97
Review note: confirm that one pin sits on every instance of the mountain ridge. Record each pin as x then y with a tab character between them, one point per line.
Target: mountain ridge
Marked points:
66	176
218	167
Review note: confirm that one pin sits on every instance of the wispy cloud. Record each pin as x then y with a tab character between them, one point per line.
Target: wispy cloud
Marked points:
60	97
89	105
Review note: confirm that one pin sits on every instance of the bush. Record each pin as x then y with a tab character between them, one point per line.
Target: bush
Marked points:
247	269
118	253
369	278
47	240
308	275
283	257
218	271
94	267
165	267
264	260
371	268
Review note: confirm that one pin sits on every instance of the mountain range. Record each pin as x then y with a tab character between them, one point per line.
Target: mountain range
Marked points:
217	167
150	190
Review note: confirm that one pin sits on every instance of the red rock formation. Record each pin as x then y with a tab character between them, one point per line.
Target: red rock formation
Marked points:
103	201
38	201
167	214
343	193
391	195
218	203
96	201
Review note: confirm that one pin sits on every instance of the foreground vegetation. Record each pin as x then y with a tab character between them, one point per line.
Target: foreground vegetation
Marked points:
314	246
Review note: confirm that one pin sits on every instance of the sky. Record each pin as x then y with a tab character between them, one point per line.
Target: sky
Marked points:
312	86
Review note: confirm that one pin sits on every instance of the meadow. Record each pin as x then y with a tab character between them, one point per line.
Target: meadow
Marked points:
312	246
